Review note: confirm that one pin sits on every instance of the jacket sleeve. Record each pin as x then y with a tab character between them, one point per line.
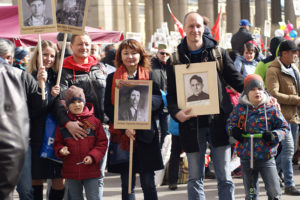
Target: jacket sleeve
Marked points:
273	85
108	107
172	94
261	69
101	144
58	143
234	78
232	120
281	126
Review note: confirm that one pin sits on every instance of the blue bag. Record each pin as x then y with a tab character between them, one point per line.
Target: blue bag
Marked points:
116	154
49	134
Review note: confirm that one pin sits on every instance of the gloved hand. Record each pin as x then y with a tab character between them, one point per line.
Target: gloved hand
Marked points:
269	138
237	134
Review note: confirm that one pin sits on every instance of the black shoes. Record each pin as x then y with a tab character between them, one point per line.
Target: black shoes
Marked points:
292	191
173	186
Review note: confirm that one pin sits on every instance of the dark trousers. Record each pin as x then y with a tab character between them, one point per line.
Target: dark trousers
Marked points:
174	160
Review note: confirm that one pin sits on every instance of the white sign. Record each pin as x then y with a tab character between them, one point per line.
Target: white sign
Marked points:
267	28
297	7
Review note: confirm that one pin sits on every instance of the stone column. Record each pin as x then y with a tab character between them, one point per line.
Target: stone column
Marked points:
245	9
183	9
94	18
289	12
206	8
275	12
261	11
167	15
157	14
126	15
233	15
148	20
135	16
118	15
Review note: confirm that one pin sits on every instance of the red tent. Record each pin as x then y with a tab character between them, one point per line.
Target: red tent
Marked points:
10	29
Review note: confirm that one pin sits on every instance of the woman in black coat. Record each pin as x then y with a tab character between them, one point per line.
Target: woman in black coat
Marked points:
133	64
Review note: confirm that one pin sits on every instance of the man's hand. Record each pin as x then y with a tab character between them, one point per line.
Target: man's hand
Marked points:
55	91
42	75
87	160
75	129
130	133
64	151
183	115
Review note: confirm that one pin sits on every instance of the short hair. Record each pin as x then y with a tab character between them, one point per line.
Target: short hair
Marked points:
109	47
32	66
250	46
6	46
132	44
75	35
30	1
197	78
187	14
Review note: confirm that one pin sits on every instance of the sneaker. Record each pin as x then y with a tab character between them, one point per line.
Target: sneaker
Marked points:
292	190
209	175
173	186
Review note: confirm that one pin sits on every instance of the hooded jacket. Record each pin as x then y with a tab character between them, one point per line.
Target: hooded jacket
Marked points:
91	77
216	123
285	88
245	67
264	117
239	39
94	145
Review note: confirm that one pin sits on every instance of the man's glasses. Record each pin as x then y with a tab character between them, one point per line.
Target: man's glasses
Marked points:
164	53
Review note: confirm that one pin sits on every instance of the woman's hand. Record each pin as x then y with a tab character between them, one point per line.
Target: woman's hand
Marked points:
130	133
55	91
42	75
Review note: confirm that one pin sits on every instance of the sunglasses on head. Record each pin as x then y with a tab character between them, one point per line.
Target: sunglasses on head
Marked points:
164	53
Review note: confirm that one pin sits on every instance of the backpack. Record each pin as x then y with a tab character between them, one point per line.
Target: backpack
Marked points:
216	52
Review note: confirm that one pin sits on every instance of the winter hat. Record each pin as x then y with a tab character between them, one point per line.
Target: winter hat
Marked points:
74	93
251	81
288	45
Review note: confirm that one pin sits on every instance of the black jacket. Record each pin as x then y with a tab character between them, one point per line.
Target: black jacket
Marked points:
18	95
159	73
239	39
188	129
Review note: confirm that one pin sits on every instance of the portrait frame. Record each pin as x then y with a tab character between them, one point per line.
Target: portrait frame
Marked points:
25	14
66	26
183	74
122	93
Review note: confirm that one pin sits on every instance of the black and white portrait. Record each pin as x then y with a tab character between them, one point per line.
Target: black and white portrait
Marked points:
196	88
133	103
37	12
70	12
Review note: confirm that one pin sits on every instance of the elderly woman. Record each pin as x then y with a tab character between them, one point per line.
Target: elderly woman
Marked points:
133	64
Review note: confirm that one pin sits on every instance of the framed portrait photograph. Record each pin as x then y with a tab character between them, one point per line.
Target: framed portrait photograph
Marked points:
133	102
197	88
37	16
71	15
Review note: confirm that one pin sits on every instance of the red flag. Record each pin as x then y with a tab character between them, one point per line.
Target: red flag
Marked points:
177	22
215	30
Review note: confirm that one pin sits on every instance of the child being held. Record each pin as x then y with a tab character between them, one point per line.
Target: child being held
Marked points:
81	158
257	113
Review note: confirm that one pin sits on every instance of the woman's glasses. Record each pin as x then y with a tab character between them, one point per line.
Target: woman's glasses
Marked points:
164	53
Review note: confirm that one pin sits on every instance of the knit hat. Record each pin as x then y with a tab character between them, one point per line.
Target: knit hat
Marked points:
74	93
20	53
251	81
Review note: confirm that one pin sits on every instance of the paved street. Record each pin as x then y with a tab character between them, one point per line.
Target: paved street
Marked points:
112	189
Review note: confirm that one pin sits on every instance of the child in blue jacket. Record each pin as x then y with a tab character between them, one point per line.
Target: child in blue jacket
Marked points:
258	113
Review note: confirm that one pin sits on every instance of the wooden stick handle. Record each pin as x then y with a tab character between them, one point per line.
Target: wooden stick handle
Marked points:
130	166
41	64
61	61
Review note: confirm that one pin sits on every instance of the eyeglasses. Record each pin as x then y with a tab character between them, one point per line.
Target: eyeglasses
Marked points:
164	53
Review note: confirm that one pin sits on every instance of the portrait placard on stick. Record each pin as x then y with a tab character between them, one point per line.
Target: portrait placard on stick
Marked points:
37	16
197	88
71	16
133	100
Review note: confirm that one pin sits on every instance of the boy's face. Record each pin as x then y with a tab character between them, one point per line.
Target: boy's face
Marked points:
256	96
249	55
76	107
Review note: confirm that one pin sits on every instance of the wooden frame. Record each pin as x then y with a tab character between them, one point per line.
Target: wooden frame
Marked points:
26	23
208	101
122	114
76	21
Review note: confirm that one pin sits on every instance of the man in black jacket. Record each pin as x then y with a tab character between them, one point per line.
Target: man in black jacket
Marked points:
196	131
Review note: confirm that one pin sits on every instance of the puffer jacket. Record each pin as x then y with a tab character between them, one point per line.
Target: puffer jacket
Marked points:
245	67
94	145
284	87
216	123
264	117
90	77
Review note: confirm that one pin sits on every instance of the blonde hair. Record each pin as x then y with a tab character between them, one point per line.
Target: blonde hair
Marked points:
32	66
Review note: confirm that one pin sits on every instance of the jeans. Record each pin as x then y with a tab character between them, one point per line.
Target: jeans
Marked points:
295	134
147	184
91	187
284	160
24	186
162	121
174	160
268	172
221	157
103	166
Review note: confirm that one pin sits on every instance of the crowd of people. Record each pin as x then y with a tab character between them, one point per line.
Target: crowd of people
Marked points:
83	104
